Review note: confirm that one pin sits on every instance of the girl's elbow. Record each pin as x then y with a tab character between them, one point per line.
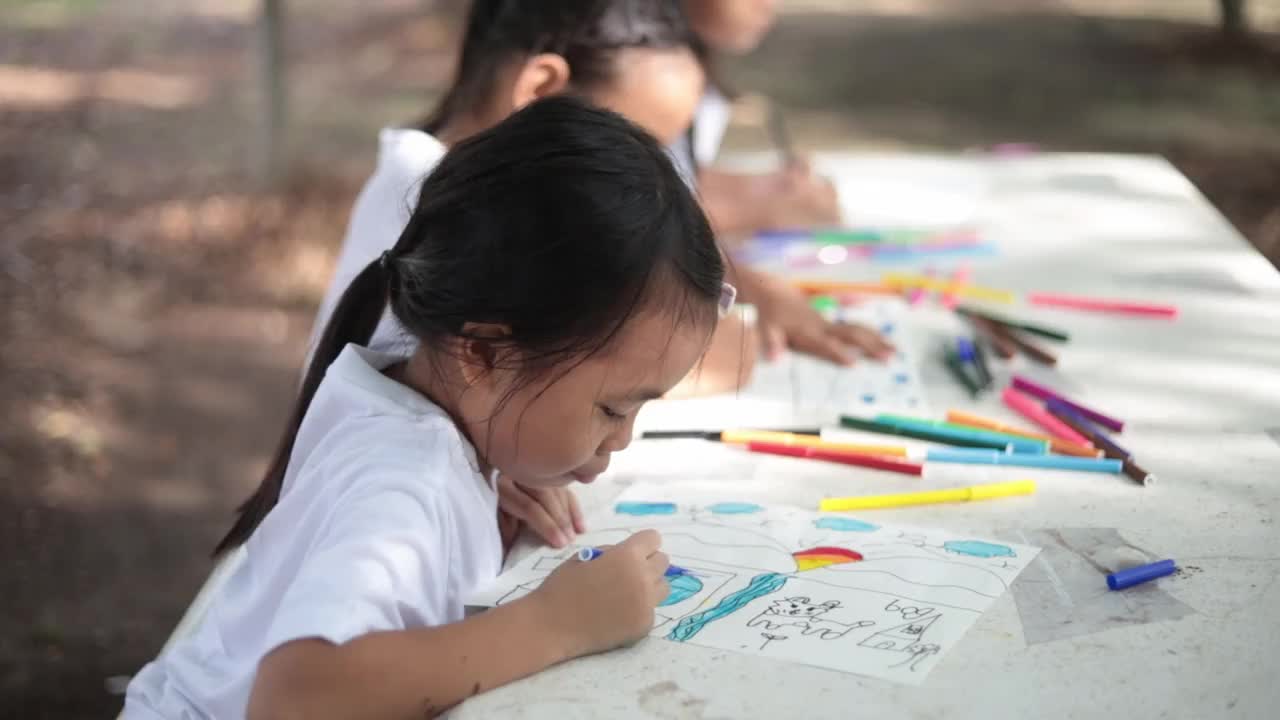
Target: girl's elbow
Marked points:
289	687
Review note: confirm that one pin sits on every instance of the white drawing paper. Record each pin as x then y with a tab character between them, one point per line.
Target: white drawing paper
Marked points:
804	391
831	590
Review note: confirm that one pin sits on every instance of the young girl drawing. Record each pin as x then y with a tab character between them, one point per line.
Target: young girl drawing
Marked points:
634	57
556	274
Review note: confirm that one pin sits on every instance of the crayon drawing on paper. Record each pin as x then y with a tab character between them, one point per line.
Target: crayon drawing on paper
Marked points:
826	590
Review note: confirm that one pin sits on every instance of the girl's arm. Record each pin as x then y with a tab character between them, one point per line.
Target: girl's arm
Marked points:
741	204
408	673
579	609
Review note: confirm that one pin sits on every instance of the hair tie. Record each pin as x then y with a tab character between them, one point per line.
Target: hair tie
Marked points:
384	260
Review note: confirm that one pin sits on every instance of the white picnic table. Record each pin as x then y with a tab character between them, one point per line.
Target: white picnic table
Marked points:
1199	395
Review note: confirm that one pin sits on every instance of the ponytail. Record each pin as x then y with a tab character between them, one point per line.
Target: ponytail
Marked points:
353	321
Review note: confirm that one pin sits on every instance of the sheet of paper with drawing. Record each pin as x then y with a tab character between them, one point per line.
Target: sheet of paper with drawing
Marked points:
830	590
802	391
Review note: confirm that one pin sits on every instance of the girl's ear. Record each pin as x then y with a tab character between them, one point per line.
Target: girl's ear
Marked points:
540	76
479	349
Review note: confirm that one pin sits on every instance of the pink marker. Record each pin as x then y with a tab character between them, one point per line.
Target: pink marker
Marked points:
1076	302
916	295
959	278
1031	410
1033	388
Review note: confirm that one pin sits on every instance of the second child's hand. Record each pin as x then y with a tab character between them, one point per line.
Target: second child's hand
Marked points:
553	514
788	321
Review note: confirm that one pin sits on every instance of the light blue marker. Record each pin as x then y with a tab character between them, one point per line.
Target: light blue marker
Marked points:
590	553
994	457
1014	443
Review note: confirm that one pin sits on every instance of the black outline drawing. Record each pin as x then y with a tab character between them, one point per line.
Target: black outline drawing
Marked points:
802	613
921	620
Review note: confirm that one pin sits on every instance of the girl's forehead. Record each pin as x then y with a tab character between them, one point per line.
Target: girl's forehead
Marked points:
658	89
652	346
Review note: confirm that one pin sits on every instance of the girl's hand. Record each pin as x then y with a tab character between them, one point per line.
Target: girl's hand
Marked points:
788	320
552	513
607	602
796	197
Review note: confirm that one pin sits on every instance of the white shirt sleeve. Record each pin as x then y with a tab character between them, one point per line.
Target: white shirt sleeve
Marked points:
383	564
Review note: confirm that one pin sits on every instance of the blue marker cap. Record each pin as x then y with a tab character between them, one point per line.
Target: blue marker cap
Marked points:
590	553
964	348
1122	579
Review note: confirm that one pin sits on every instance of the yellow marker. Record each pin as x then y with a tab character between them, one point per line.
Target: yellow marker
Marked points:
743	437
962	494
903	280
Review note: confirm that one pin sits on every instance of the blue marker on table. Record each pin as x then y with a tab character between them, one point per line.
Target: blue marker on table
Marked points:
590	553
1051	462
1122	579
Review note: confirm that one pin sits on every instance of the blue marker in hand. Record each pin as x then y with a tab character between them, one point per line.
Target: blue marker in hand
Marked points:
590	553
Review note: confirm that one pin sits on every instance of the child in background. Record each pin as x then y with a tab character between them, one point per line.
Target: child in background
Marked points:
634	57
741	204
556	274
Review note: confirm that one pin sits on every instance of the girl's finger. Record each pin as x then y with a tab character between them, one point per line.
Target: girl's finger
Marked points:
520	504
773	338
865	339
575	512
553	500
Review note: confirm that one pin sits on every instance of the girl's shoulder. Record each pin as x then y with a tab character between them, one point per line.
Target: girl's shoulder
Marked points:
408	151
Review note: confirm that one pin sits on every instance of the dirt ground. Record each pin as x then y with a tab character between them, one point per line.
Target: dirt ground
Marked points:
155	300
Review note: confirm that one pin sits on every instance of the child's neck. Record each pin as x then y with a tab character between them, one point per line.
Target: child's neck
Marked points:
460	128
421	375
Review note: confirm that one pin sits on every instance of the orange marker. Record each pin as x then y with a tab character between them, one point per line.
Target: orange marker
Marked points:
834	287
1058	445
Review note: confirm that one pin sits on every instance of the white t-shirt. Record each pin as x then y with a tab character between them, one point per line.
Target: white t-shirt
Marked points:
710	123
384	523
405	158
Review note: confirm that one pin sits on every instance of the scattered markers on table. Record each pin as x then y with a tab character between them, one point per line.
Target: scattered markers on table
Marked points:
838	592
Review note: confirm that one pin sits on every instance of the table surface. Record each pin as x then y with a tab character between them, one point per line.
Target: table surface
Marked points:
1199	394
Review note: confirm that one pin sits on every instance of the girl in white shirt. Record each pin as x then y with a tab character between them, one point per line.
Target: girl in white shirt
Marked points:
556	274
634	57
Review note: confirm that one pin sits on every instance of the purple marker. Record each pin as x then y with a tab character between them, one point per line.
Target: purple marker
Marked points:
1080	424
1122	579
1032	388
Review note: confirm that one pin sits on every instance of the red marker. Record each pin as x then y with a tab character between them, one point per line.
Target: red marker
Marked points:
1100	305
847	458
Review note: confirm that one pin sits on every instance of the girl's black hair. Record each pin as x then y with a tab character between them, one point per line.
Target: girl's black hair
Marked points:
587	33
561	222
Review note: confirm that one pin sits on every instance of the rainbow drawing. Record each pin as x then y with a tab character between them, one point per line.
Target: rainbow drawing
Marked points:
823	556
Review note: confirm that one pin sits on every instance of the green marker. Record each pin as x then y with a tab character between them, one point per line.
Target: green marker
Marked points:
1020	444
939	435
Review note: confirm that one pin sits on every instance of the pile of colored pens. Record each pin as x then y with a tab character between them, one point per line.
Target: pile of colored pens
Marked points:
975	440
1008	337
1072	421
967	363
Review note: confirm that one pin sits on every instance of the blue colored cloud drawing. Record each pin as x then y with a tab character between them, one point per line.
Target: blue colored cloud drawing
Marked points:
978	548
845	524
645	508
734	508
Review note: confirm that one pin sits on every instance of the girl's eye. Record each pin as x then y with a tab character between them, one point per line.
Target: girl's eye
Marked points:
611	414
